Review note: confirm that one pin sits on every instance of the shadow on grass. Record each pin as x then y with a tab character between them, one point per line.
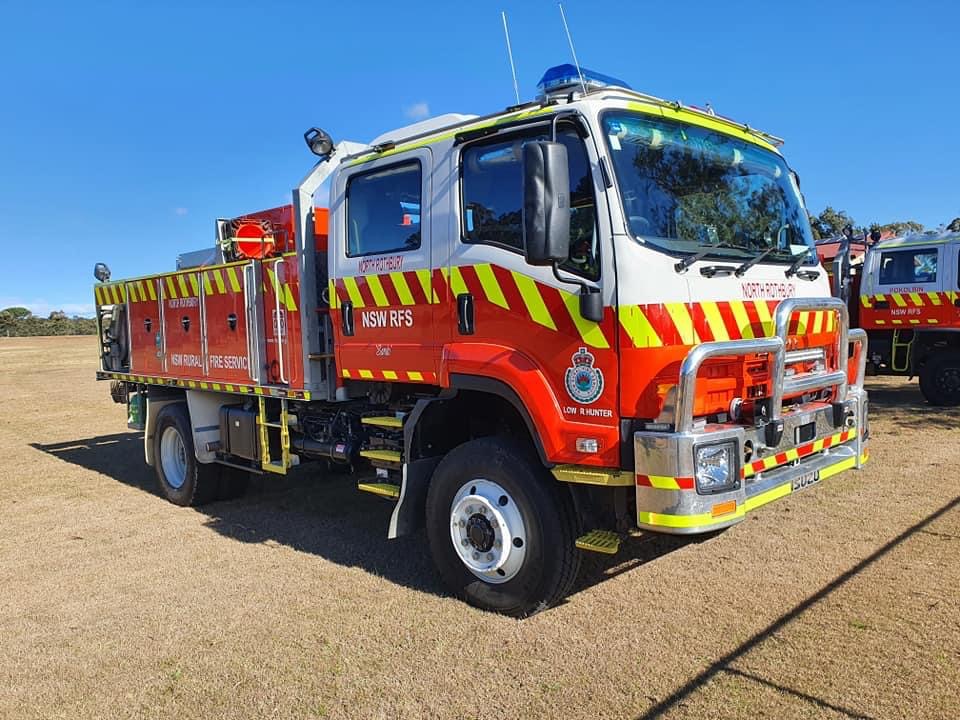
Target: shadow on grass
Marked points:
904	405
322	513
725	663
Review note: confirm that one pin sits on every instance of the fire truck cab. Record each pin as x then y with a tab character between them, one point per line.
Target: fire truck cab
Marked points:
535	332
909	300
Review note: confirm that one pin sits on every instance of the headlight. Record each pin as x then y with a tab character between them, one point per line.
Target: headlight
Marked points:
716	468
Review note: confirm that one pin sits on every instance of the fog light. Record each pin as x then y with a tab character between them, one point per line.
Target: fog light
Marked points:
588	445
716	468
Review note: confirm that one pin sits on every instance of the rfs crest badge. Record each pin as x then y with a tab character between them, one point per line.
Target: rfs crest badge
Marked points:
584	382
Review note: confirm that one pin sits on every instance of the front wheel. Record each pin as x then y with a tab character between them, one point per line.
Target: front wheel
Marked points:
501	531
940	378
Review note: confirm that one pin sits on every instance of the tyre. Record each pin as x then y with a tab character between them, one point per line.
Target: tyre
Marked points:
501	530
940	378
183	480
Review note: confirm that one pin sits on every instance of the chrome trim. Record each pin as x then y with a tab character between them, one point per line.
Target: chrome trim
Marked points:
858	336
785	311
687	389
203	324
801	356
277	291
252	331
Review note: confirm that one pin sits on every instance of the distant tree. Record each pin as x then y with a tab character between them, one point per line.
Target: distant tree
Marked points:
18	313
954	225
904	227
814	226
830	223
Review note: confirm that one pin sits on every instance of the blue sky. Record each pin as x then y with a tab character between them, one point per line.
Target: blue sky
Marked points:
126	128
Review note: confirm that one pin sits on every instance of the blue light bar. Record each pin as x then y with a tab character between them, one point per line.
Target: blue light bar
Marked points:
561	77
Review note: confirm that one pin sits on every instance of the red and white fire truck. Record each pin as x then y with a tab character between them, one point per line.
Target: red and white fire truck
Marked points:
535	332
905	293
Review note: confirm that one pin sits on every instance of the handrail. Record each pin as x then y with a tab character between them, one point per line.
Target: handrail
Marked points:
251	319
277	291
686	390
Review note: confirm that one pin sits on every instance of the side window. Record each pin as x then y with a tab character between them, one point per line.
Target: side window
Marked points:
383	210
492	193
904	267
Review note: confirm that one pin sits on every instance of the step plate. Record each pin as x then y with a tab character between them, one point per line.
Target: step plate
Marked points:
388	421
386	490
601	541
393	456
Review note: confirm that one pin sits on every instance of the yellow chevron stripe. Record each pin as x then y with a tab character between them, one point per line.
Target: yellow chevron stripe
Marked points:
741	318
590	332
142	287
401	288
898	300
663	482
934	298
766	320
914	322
353	291
880	322
638	327
491	288
414	375
96	295
332	293
680	314
207	285
218	281
916	299
194	285
457	284
115	292
425	282
376	289
366	374
182	285
865	301
288	298
803	322
533	300
390	375
234	281
715	320
897	322
345	373
132	292
818	322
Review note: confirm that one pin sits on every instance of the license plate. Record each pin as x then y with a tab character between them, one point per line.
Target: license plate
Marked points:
806	480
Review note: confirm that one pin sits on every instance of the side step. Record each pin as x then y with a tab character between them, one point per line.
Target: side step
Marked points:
393	456
387	421
387	490
601	541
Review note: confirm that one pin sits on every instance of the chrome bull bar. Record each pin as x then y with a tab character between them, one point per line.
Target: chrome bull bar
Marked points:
776	347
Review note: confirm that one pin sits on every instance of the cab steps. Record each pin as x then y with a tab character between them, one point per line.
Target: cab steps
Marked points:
382	489
601	541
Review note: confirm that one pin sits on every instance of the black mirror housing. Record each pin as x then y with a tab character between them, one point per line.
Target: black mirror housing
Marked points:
101	272
546	202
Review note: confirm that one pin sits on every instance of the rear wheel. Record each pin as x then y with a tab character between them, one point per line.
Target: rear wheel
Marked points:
501	531
940	378
183	480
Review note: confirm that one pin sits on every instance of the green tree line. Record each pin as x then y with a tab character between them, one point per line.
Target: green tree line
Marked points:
830	224
20	322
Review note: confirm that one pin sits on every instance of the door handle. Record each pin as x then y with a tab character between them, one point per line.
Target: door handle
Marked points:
346	316
465	314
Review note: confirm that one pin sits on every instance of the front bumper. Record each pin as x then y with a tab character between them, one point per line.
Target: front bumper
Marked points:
787	451
667	496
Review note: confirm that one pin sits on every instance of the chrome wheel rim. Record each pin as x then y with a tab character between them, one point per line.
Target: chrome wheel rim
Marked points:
487	531
173	458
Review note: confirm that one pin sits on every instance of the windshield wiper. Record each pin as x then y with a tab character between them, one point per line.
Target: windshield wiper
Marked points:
797	262
754	260
691	259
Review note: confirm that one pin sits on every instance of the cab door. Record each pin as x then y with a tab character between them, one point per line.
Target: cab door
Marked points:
384	300
910	280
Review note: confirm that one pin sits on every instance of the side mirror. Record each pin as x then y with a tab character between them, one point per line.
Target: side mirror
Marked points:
101	272
546	203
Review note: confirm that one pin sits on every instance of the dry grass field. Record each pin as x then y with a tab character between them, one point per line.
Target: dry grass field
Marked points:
840	602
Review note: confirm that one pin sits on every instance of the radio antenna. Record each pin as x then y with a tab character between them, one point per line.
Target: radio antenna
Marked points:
513	69
563	16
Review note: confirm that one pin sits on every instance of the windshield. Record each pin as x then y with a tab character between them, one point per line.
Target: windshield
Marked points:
687	189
